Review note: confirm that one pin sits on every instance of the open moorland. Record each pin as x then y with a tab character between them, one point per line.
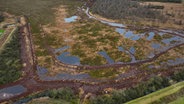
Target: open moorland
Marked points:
90	51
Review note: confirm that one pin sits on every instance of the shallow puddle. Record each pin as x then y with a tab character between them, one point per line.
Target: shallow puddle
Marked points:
113	24
120	31
42	72
173	39
132	50
121	49
151	55
136	37
151	35
106	56
128	34
11	91
66	58
177	61
71	19
155	45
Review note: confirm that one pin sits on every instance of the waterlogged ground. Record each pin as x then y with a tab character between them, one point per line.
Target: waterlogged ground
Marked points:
90	41
94	42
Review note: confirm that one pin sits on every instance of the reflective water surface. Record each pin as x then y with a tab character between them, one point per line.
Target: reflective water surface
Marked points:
71	19
11	91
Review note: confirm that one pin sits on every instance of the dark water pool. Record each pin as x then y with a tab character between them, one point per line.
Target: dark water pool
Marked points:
66	58
11	91
42	73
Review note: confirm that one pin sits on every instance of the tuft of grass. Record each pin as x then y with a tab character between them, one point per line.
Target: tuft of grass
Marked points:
103	73
1	32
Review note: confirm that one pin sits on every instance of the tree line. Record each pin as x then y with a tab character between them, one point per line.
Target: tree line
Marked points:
175	1
122	96
66	94
10	63
1	17
125	9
